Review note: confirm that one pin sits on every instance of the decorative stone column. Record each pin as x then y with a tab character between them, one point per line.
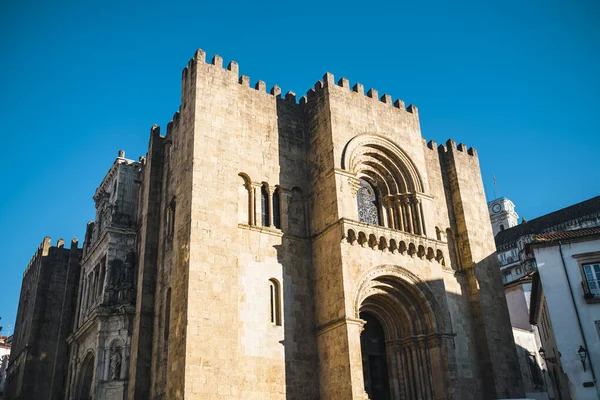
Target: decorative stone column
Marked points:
251	205
256	202
422	215
416	210
401	225
270	206
390	222
409	217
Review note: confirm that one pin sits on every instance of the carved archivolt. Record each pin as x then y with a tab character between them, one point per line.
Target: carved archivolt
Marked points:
416	328
380	164
405	303
382	160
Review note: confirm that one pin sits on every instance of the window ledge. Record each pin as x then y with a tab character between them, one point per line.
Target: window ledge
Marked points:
262	229
591	299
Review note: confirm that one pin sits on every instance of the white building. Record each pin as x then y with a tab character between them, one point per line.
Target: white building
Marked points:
518	267
536	381
502	214
4	357
565	305
512	238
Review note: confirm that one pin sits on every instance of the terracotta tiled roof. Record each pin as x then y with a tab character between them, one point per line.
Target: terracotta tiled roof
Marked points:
565	235
545	222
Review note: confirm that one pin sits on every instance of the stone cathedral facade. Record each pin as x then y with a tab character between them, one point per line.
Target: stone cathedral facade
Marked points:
274	248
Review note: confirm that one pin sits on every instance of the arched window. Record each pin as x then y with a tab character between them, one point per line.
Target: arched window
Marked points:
501	227
244	207
275	302
276	209
264	205
368	207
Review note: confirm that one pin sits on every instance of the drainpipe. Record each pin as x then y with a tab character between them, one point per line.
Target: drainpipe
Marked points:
576	311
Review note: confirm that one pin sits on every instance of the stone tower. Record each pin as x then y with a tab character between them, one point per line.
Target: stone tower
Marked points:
502	214
313	249
39	352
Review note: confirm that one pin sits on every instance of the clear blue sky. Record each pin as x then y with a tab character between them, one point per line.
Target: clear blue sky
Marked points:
79	80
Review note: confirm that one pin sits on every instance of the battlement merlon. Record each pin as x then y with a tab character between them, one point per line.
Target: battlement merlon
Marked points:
452	147
371	95
190	71
44	249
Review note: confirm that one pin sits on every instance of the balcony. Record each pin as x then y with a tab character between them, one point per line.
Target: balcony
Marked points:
508	260
394	241
591	290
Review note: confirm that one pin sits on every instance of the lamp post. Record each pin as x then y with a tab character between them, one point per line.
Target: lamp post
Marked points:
582	352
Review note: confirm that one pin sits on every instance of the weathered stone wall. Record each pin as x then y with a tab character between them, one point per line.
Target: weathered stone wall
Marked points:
336	115
466	373
67	319
148	208
231	348
38	341
498	361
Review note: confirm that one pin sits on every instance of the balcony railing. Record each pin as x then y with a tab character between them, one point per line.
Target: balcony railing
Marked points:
591	289
508	260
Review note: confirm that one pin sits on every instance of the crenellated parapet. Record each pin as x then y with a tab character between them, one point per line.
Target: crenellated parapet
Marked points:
233	70
41	251
452	147
328	80
44	249
372	94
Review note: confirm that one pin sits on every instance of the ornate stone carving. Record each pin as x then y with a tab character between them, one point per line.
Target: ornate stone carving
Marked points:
115	363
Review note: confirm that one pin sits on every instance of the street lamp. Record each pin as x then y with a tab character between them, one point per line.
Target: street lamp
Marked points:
543	355
582	352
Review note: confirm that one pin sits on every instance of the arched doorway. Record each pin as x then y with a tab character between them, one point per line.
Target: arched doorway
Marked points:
405	339
86	376
375	371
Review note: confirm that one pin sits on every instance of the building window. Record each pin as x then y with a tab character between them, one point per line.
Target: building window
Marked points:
245	207
167	314
264	205
592	278
501	227
518	270
170	219
275	302
368	208
276	209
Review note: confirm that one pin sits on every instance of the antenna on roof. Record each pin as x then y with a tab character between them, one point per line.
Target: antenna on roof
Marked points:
494	178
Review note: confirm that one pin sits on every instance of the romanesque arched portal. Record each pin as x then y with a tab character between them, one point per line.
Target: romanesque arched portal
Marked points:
401	311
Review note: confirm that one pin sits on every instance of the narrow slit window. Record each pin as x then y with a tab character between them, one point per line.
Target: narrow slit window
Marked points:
170	220
276	209
264	205
167	314
275	302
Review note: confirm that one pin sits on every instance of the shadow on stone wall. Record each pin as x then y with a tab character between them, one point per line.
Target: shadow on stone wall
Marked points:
295	256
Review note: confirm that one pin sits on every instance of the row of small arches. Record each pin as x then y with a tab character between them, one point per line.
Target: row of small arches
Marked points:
261	204
395	246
